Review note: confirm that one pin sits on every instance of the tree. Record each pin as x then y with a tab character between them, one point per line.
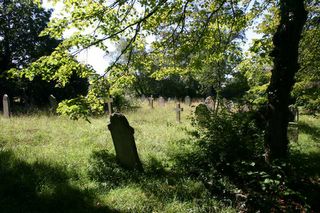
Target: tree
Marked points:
285	53
21	22
189	34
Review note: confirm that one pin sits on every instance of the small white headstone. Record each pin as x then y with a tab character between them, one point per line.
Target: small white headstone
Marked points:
187	100
6	106
161	101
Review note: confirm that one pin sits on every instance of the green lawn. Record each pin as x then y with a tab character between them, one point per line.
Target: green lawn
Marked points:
53	164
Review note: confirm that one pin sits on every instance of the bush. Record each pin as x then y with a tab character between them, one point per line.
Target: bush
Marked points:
227	155
227	139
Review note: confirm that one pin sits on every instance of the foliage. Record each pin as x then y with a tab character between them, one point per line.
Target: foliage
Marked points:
226	140
257	65
21	22
258	62
306	89
236	87
195	41
226	153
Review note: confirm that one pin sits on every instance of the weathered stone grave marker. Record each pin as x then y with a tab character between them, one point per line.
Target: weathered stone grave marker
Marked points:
6	106
178	110
201	113
293	130
209	102
143	98
123	141
229	105
187	100
294	114
151	101
53	103
161	101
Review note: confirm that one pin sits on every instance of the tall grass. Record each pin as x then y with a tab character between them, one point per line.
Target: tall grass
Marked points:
53	164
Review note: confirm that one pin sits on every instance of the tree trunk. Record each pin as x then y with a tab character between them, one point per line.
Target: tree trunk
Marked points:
285	53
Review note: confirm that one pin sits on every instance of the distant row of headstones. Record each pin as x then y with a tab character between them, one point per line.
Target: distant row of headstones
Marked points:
7	110
162	101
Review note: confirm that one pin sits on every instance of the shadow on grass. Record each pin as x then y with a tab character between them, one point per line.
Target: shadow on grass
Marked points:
306	176
308	129
39	187
156	180
191	178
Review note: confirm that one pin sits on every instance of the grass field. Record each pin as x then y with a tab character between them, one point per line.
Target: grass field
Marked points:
53	164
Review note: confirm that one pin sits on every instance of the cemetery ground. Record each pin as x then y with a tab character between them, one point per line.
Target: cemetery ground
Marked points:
53	164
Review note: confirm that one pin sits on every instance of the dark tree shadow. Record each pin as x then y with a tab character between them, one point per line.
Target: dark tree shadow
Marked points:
39	187
306	176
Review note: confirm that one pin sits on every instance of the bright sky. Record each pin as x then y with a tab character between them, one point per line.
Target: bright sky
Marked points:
93	56
98	59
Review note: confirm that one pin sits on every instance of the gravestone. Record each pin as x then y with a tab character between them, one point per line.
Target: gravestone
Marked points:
187	100
123	141
143	98
6	106
178	112
229	105
53	103
109	102
293	131
293	114
201	113
151	101
209	103
169	99
161	101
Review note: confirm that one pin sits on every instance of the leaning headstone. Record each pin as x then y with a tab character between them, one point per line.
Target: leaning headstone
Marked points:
123	141
178	110
6	106
201	113
53	103
161	101
187	100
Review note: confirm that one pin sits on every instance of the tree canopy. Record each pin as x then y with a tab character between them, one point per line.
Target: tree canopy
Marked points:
21	22
200	39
